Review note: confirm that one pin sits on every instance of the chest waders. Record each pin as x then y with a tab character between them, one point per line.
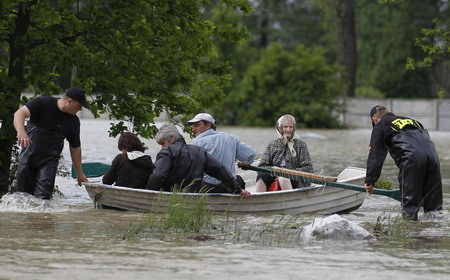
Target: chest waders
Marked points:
419	176
38	162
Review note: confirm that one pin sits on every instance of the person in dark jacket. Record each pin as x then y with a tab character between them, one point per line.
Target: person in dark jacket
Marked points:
179	165
51	120
132	167
410	146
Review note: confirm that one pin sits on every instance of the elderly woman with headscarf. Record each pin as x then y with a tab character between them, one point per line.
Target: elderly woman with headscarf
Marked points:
288	151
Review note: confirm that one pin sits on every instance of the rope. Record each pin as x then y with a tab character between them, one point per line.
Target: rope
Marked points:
322	188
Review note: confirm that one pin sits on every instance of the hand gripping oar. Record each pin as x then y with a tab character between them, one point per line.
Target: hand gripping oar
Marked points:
92	169
319	179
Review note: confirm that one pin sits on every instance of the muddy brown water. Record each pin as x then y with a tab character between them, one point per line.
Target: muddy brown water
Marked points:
69	239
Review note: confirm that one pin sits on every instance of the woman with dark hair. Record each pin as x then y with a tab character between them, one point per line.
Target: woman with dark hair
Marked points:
132	167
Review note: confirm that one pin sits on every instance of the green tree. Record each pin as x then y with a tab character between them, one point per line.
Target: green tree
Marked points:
386	38
239	56
346	54
300	83
291	23
140	57
435	43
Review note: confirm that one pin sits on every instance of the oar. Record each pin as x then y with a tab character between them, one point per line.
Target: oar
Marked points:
319	179
92	169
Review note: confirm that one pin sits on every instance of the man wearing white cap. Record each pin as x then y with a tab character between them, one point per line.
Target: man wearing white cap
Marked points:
225	147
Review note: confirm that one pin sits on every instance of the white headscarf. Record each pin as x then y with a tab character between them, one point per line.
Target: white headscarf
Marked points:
287	141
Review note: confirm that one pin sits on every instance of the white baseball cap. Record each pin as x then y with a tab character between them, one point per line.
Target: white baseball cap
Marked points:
202	117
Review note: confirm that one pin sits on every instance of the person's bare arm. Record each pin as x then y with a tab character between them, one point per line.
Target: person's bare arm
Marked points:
75	153
19	124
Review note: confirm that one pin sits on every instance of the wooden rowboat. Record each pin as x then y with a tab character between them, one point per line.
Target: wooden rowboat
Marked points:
315	199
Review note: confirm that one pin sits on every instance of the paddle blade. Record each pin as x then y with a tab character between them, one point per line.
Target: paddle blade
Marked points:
92	169
395	194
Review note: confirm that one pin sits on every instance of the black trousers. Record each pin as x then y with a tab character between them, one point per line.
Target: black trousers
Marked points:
419	176
220	188
38	163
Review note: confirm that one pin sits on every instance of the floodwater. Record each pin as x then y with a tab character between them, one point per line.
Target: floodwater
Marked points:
67	238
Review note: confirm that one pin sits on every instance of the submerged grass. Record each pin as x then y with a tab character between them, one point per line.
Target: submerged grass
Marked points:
188	218
396	227
182	214
282	230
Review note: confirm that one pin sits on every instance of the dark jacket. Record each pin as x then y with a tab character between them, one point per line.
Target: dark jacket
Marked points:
180	165
129	170
388	135
414	153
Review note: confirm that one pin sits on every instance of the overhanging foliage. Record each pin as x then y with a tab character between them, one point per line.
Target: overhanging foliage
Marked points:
138	57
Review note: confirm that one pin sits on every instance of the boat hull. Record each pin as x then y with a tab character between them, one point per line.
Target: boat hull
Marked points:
314	199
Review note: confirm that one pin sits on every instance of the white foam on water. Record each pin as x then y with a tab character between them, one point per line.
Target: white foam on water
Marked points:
335	227
24	202
434	216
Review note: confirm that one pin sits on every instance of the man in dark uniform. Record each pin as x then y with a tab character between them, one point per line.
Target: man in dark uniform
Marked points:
410	146
51	121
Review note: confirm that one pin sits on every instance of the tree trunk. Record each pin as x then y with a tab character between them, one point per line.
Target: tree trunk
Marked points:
12	91
346	51
263	24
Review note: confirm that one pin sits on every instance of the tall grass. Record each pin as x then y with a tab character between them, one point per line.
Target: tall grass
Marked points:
187	214
181	213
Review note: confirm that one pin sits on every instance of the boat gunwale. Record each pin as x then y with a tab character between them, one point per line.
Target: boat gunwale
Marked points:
305	189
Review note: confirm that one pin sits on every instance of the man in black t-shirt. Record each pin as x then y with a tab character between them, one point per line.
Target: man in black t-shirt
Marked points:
51	120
